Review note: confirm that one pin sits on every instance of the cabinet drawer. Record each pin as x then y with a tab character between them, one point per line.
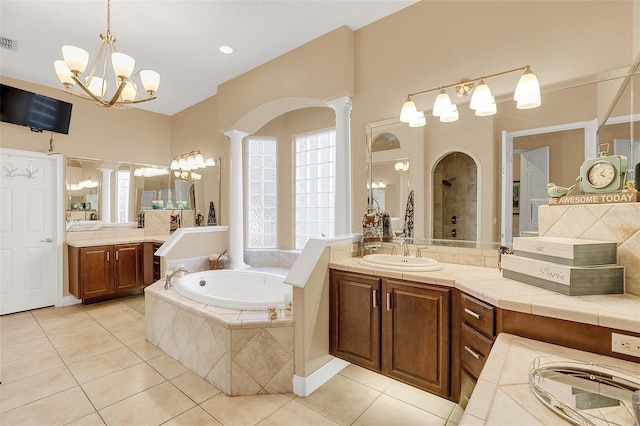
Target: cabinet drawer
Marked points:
478	315
467	383
475	349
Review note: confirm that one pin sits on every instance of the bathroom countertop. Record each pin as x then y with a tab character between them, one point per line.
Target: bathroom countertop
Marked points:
502	395
620	311
108	239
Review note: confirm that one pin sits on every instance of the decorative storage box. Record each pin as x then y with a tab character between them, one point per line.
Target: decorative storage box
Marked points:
564	279
567	251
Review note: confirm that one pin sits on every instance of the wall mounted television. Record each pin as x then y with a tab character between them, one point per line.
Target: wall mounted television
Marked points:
35	111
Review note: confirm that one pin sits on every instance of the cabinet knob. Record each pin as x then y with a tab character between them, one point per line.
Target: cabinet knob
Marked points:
375	298
388	301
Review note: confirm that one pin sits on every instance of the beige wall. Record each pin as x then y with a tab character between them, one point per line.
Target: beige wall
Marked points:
319	70
193	129
133	136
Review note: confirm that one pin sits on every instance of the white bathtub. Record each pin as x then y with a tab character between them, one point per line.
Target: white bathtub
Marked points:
245	290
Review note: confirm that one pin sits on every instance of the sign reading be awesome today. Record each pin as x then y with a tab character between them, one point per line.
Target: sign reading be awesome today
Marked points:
616	197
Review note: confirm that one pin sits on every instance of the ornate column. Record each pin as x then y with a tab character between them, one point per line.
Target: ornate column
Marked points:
342	108
236	213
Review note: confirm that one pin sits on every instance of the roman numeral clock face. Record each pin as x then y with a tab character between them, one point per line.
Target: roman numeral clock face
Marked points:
601	174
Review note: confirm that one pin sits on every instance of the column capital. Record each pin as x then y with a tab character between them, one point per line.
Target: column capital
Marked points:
340	102
235	134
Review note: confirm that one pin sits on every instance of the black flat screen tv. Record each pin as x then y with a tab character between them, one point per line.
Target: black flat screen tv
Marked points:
35	111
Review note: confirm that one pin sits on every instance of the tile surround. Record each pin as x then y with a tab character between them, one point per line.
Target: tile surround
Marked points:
240	352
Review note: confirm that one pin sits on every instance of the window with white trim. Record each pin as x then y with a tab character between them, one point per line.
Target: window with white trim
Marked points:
262	195
123	181
315	171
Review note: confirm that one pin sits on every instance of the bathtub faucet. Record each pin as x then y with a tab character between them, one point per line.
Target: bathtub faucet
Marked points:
170	275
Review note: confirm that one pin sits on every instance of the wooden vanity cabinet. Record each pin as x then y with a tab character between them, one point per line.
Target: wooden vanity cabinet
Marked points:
354	318
415	335
478	331
104	270
398	328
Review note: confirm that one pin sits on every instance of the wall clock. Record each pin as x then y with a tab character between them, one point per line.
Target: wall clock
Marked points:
604	174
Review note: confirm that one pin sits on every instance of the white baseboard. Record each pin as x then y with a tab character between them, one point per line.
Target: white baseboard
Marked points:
70	300
304	386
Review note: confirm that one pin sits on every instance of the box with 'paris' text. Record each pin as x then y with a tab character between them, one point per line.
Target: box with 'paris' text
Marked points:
564	279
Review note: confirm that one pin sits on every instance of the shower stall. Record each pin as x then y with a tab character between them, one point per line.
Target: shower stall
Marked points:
455	198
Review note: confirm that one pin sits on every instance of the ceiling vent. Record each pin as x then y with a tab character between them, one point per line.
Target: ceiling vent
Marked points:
8	43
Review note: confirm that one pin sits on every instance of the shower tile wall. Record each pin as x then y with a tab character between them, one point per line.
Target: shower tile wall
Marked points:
455	194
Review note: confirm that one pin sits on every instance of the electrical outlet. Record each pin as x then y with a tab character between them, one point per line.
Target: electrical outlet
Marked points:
623	344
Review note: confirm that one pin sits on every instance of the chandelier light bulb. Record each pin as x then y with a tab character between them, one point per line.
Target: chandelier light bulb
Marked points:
450	116
174	165
527	93
200	161
481	96
97	86
419	120
122	64
75	58
442	104
191	162
129	92
486	109
210	162
408	111
150	80
183	163
63	73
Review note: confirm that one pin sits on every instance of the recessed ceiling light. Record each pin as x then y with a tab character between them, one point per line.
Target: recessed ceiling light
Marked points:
227	49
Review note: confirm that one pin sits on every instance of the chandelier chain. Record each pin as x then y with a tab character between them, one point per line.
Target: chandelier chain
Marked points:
108	17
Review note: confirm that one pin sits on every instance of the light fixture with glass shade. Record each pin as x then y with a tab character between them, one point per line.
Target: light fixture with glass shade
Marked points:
402	167
95	87
526	95
184	165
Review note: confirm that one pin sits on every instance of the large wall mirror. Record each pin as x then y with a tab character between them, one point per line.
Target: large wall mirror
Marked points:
393	172
535	156
574	119
128	188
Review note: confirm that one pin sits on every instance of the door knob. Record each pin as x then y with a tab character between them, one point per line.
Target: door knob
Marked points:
48	240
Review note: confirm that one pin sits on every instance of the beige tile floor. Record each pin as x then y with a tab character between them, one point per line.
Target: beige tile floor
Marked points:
91	365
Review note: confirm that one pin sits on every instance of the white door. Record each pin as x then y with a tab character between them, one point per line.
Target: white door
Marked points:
28	258
534	176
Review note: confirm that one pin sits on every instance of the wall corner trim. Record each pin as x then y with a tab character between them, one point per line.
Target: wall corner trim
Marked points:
305	386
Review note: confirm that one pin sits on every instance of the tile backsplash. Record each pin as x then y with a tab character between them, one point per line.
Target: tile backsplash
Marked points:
605	222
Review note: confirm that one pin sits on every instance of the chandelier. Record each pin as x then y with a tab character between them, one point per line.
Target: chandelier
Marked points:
94	86
526	95
184	165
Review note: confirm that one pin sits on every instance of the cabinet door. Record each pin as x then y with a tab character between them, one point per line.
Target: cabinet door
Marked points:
415	345
127	266
354	324
95	275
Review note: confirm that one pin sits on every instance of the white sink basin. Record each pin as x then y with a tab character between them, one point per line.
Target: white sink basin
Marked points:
400	263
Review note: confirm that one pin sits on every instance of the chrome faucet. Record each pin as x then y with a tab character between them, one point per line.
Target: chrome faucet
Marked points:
405	247
169	278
